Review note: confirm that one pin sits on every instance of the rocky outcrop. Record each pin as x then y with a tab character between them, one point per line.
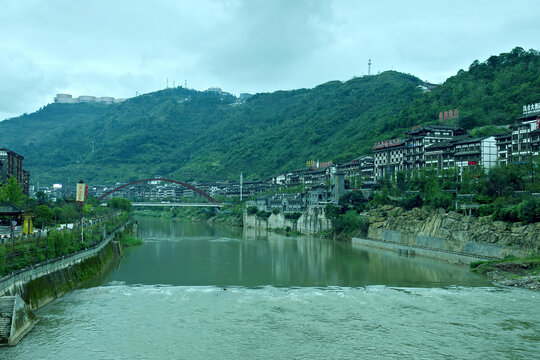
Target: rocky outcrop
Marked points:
454	232
311	222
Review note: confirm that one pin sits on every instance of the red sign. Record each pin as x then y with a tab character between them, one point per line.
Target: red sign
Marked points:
473	162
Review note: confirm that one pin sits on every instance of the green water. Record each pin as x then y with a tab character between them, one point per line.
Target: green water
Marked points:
195	291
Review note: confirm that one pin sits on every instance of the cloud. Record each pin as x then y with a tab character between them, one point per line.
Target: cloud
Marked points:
122	47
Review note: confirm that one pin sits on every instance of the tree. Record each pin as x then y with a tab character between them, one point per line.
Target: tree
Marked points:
12	191
41	197
43	214
58	213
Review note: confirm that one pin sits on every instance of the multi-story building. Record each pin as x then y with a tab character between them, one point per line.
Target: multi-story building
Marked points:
441	155
476	152
522	132
504	148
388	156
535	142
362	166
11	165
420	138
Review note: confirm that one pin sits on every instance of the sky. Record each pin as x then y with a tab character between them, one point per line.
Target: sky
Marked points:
122	48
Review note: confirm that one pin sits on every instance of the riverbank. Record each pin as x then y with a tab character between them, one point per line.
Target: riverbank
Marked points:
524	272
230	216
476	236
31	288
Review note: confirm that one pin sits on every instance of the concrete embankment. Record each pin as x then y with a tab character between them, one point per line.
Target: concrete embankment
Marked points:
449	236
32	288
311	222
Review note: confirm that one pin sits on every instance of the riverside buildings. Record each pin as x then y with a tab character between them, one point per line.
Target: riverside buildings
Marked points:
445	147
11	165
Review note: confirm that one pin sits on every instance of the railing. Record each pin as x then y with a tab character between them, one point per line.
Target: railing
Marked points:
57	263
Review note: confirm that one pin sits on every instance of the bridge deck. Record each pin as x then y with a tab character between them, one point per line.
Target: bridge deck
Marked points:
174	204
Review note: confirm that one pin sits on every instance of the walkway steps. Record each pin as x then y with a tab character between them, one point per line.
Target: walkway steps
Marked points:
16	320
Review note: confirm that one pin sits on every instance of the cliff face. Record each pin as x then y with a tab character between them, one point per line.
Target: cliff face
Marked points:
311	222
453	232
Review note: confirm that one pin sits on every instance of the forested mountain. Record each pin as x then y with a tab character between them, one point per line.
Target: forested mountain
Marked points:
190	135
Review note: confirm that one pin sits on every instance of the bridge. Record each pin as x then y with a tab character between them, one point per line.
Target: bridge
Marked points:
199	191
175	204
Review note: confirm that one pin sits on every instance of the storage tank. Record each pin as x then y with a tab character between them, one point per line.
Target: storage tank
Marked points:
107	99
63	98
86	98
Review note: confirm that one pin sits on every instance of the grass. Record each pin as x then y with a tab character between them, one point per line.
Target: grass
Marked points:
529	265
129	240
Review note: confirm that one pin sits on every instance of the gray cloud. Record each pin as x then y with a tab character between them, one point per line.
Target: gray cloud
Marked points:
117	48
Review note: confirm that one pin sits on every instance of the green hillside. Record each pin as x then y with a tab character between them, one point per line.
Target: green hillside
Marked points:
190	135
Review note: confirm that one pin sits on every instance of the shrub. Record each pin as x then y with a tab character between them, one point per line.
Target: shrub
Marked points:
2	258
275	211
527	211
442	200
351	222
251	210
292	216
507	214
411	202
263	214
485	210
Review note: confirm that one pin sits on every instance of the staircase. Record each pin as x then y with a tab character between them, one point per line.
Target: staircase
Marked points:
6	316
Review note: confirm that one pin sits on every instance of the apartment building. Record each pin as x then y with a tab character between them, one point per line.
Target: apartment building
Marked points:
422	137
388	156
11	165
476	152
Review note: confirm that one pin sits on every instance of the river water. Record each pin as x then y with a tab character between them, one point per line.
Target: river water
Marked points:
196	291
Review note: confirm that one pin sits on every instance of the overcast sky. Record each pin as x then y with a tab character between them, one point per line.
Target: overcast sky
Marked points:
118	48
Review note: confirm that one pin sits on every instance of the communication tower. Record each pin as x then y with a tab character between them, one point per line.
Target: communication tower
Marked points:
369	67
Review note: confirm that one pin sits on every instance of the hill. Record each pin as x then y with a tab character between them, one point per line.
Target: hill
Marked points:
190	135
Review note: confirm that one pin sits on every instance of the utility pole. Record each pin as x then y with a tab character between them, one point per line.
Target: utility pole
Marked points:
241	184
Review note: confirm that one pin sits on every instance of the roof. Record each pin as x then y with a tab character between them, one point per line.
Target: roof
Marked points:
473	140
8	208
433	127
447	143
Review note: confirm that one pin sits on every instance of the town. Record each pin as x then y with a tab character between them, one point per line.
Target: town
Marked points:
441	146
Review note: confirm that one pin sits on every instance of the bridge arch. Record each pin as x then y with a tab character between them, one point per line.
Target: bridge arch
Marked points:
199	191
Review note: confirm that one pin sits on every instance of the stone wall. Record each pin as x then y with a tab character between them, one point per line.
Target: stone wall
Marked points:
311	222
35	287
453	232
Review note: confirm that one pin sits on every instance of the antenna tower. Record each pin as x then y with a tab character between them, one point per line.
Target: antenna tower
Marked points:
369	67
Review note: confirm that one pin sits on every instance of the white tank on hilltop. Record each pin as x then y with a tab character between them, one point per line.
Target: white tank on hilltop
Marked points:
87	98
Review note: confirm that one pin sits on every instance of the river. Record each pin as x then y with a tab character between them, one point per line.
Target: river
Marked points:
198	291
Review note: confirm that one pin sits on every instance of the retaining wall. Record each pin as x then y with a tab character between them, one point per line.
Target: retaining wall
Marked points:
32	288
311	222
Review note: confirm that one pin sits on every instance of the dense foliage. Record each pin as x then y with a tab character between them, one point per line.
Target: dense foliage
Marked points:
190	135
28	251
501	192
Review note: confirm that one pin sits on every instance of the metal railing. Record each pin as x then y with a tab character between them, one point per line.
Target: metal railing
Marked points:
56	263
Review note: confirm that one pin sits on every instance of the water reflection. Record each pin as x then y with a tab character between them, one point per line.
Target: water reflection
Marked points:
180	253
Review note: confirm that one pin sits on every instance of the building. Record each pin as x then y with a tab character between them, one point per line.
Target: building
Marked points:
360	167
11	165
388	156
476	152
441	155
522	141
420	138
69	99
504	148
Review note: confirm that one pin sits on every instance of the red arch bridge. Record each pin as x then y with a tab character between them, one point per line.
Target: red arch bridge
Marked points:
212	201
